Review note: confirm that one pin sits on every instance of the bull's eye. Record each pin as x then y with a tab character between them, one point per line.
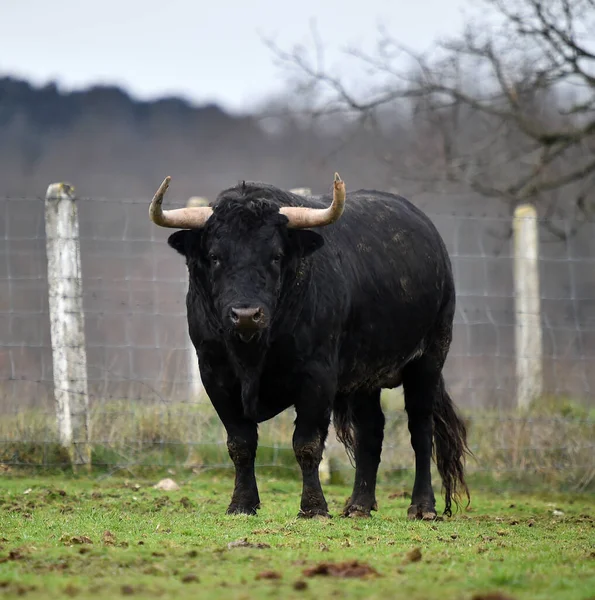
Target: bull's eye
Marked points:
213	258
277	258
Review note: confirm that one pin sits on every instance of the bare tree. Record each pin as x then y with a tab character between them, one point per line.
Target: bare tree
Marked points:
507	107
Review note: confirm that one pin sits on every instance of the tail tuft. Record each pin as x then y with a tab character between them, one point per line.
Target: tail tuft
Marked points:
450	449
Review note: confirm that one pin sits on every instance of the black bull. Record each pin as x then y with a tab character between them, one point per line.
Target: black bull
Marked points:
281	315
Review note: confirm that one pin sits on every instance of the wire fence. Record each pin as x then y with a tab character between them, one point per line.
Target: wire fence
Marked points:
146	407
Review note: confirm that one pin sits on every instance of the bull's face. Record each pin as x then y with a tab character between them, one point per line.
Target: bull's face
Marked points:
243	258
243	253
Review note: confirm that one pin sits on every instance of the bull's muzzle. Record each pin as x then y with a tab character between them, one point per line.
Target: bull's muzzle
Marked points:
247	322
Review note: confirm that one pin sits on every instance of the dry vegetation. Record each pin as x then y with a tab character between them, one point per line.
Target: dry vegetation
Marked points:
552	444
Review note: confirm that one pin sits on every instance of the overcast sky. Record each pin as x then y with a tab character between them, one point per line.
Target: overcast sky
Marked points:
204	50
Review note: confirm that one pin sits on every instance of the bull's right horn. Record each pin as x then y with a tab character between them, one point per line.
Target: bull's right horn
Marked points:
179	218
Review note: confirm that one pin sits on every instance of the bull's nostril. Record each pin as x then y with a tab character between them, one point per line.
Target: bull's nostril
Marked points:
243	318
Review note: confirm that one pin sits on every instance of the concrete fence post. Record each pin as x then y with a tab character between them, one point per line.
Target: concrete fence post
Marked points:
195	381
528	334
67	323
303	191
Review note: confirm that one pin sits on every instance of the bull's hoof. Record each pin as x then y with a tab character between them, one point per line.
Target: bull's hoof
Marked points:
242	509
359	511
356	509
356	512
421	512
315	513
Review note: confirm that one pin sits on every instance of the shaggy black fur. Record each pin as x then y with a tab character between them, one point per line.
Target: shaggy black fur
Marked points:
363	304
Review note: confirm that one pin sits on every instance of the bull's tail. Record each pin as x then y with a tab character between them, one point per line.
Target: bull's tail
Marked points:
343	422
450	448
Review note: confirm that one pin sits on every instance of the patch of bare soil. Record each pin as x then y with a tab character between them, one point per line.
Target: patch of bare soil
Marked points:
71	590
268	575
16	554
413	555
401	494
244	543
109	539
17	589
186	502
127	590
71	540
491	596
346	569
300	585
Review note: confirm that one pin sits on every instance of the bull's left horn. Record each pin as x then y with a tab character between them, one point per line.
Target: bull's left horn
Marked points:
179	218
301	217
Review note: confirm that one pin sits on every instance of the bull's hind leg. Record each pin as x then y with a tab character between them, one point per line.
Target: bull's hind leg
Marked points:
367	421
422	386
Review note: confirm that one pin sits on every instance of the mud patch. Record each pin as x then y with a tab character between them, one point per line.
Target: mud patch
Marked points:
109	539
186	502
127	590
16	554
491	596
268	575
300	585
346	569
71	590
17	589
161	502
244	543
401	494
414	555
51	494
72	540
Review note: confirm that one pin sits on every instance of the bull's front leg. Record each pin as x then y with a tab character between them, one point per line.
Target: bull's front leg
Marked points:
242	441
311	430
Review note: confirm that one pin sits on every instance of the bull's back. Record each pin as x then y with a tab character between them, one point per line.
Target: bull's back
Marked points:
397	279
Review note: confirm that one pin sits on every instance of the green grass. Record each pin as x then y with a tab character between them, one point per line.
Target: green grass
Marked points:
175	544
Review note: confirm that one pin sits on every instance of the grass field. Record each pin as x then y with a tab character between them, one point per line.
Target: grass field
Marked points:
104	538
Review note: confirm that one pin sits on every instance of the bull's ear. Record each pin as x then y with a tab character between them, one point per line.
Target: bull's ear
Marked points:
187	242
177	241
305	241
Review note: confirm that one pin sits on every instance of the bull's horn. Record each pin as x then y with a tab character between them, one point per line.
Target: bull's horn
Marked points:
301	217
180	218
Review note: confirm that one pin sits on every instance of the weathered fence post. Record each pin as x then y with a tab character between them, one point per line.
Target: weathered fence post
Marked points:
528	335
195	381
67	323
